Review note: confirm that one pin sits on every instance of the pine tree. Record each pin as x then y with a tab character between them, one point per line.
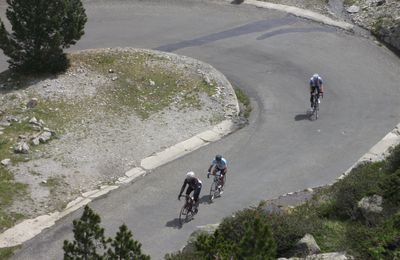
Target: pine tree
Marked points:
89	236
125	247
41	29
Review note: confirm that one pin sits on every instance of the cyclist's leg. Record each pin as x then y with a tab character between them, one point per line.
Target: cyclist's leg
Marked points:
312	89
188	191
223	172
196	195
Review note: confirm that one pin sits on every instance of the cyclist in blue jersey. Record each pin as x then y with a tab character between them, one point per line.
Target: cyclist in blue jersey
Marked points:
219	164
316	83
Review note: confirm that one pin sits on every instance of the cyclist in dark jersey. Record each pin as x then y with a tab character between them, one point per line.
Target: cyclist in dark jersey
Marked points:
316	83
194	184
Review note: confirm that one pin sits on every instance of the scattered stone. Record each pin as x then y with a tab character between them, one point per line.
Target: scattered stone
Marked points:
32	103
110	71
353	9
21	147
36	128
44	137
5	123
152	83
33	120
35	141
1	132
114	78
22	137
6	162
12	119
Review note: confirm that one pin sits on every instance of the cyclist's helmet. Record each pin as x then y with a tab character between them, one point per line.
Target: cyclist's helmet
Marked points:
218	157
189	175
315	76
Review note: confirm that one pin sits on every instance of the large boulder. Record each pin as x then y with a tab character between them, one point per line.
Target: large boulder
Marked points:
207	229
371	208
306	246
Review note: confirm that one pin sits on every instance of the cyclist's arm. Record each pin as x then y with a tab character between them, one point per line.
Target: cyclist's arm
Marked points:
183	188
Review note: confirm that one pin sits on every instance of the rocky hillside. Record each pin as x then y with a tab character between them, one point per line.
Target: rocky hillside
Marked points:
381	17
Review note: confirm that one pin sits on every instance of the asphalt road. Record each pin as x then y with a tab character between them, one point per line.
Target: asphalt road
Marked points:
270	55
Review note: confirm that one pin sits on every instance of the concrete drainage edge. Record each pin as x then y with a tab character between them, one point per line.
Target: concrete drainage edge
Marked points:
303	13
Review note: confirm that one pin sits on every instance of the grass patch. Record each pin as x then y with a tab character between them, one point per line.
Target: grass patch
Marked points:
244	102
9	189
145	83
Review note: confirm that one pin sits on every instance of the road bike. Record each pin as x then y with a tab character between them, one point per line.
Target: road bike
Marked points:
314	106
188	210
216	186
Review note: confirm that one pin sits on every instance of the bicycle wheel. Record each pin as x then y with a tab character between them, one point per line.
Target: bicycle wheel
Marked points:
213	191
183	215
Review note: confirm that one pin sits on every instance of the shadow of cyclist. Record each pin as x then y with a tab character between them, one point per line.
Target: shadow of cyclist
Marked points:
174	223
302	117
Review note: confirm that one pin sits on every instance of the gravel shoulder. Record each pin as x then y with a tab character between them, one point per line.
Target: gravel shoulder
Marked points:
96	148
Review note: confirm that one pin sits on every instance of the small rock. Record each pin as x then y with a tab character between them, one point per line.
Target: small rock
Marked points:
353	9
5	123
110	71
33	120
152	83
114	78
32	103
6	162
44	137
36	128
21	147
22	136
12	119
1	132
35	141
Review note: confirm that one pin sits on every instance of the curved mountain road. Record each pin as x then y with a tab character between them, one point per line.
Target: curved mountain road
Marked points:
270	55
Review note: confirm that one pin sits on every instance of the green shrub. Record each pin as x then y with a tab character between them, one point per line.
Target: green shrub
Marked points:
391	188
386	242
246	235
287	229
393	160
364	180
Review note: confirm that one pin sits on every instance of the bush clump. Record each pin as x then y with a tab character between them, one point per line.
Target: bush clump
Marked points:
363	181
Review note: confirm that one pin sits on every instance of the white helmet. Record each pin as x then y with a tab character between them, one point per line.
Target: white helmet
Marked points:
315	76
190	175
